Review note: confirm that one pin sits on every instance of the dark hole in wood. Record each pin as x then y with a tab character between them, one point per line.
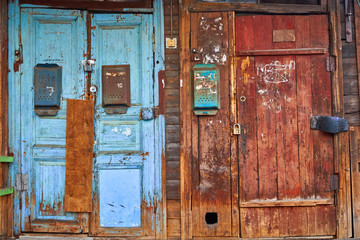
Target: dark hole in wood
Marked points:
211	218
359	166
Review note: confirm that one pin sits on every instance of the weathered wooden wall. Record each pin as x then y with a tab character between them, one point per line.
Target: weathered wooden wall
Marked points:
172	121
351	89
4	200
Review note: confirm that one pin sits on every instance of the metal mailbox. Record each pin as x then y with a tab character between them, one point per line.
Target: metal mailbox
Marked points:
47	88
206	88
116	88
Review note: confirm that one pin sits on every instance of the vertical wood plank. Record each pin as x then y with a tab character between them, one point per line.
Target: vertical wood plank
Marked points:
185	123
5	209
248	159
234	164
214	159
79	155
266	119
250	227
357	40
304	98
355	177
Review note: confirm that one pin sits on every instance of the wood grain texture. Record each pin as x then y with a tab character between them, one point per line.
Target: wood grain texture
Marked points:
293	164
185	125
211	161
6	222
280	222
357	40
79	155
355	177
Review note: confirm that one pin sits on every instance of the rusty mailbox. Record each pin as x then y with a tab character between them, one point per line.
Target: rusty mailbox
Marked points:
116	88
206	88
47	89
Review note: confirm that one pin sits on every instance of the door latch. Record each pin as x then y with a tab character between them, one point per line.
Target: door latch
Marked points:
88	65
329	124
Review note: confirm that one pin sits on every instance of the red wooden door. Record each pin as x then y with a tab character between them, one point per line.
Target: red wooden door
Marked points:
285	167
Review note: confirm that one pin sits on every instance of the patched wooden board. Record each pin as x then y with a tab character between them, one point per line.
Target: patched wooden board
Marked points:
79	155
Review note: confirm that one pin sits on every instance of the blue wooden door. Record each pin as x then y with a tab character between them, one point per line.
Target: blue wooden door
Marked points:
49	37
126	181
124	162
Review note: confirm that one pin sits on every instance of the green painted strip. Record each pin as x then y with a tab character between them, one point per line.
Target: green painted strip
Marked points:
6	191
6	159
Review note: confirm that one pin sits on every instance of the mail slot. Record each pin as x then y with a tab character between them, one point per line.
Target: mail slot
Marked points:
116	88
47	88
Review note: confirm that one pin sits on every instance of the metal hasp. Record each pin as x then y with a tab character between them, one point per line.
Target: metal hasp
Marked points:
88	65
329	124
116	88
47	89
206	88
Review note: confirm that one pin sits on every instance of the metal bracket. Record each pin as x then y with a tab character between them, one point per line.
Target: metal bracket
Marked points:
88	65
22	182
334	182
329	124
148	113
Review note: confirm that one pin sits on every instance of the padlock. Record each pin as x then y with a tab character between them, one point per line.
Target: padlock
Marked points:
237	129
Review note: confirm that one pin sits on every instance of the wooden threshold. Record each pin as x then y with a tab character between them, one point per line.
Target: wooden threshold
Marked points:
287	203
275	52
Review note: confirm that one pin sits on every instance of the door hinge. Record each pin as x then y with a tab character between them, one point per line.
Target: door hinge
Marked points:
329	124
330	64
334	186
334	182
21	182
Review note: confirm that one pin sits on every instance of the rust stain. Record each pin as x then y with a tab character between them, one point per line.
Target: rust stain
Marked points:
93	27
54	210
245	63
27	202
145	154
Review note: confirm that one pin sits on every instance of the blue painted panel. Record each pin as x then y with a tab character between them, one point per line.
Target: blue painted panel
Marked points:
49	196
120	197
116	136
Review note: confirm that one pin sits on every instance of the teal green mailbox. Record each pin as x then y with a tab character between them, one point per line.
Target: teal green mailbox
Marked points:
206	88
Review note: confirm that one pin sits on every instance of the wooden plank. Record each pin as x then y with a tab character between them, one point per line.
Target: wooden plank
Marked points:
234	162
214	184
259	8
248	157
321	102
275	52
245	75
287	203
79	155
355	177
250	225
185	125
6	217
304	99
286	117
173	227
357	40
266	116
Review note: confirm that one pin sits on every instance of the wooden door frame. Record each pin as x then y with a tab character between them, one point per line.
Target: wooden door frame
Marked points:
11	31
341	140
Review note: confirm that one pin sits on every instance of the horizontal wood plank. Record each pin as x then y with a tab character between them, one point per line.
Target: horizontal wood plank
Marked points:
287	203
276	52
